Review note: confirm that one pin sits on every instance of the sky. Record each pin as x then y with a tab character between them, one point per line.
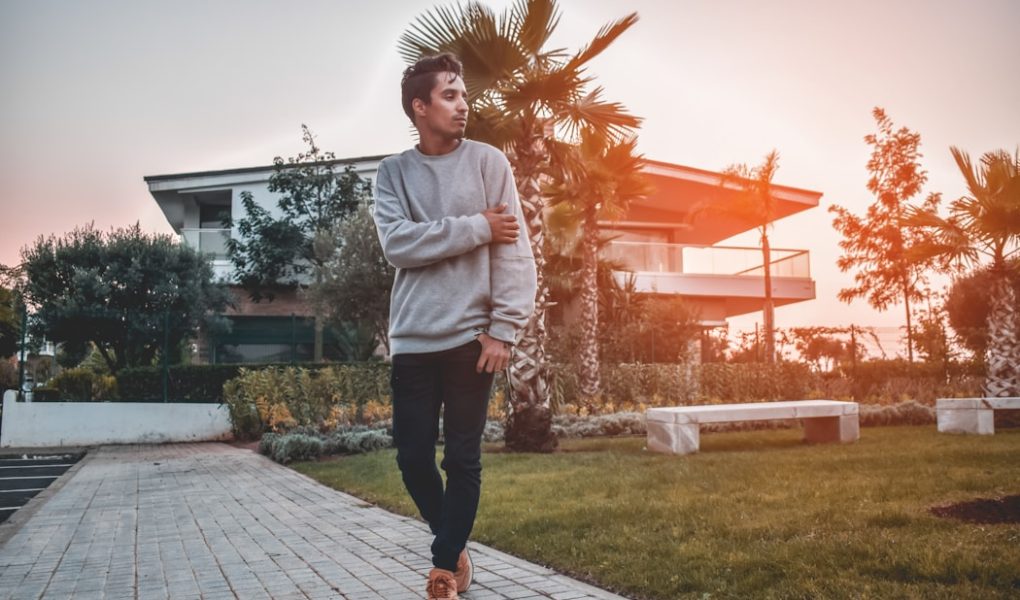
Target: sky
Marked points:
98	94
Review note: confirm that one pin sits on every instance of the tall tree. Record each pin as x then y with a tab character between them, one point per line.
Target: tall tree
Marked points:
879	245
10	323
984	226
270	251
756	202
355	291
118	291
601	179
523	96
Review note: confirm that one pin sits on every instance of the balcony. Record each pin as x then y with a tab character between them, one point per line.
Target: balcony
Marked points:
726	280
652	257
212	242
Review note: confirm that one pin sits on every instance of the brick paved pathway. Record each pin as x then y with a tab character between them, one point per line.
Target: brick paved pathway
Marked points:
211	521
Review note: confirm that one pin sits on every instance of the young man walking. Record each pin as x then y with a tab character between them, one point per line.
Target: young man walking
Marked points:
449	220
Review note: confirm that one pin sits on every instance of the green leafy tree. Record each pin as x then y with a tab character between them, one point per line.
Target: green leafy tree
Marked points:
291	247
523	97
10	323
10	312
984	226
117	291
967	306
354	294
879	246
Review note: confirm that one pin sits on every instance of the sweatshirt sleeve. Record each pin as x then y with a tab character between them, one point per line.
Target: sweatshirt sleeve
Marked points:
514	280
408	244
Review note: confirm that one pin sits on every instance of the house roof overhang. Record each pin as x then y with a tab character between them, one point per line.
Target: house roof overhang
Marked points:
691	202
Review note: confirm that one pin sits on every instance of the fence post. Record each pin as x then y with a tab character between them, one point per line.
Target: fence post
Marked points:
166	366
293	337
21	362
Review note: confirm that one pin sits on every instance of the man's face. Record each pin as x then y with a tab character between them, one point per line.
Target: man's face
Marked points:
447	115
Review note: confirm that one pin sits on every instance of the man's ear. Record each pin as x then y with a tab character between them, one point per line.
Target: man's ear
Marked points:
418	107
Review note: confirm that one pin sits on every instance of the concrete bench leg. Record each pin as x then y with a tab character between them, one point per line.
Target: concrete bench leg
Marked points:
966	420
673	438
845	428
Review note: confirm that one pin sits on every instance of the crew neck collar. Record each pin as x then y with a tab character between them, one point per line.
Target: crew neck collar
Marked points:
460	146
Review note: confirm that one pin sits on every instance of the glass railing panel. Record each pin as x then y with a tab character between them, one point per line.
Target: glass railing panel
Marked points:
657	257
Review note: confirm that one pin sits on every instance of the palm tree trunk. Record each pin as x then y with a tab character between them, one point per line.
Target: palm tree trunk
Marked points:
1002	374
769	307
589	350
529	424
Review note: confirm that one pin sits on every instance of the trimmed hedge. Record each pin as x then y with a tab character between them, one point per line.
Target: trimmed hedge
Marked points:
186	383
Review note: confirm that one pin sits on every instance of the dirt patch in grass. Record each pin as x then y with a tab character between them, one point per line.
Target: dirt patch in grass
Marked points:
982	510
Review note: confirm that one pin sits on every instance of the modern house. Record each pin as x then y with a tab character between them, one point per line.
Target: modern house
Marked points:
669	240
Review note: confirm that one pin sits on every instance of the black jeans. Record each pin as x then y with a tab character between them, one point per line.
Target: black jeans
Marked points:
422	385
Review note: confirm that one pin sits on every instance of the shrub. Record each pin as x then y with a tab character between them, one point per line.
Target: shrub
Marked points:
304	444
904	413
8	375
754	382
45	394
267	442
84	385
296	446
280	399
357	440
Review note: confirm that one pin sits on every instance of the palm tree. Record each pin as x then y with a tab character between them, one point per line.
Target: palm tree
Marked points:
523	96
985	225
599	182
756	202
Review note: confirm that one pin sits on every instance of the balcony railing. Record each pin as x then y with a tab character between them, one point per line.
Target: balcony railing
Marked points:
654	257
207	241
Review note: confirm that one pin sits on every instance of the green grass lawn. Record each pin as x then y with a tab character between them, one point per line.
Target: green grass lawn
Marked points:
757	514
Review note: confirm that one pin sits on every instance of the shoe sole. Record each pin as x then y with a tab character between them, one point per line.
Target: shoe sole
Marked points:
470	570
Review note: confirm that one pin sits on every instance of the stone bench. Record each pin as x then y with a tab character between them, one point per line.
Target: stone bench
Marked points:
675	430
971	415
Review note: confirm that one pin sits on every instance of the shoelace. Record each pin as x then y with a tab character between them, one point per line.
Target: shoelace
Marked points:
438	588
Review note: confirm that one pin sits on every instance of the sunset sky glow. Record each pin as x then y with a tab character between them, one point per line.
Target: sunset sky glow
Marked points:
98	94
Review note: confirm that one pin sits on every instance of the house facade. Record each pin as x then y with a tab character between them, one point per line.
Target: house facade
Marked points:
670	241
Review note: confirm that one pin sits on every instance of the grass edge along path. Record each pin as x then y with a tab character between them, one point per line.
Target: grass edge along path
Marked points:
754	514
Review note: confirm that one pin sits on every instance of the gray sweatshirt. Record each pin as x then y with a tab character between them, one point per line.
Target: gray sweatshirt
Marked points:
451	283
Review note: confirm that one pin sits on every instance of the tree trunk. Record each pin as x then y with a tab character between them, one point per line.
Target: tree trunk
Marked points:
589	350
1002	374
910	326
769	308
318	318
529	424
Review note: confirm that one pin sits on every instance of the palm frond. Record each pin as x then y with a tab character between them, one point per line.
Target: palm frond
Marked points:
602	40
535	20
435	31
608	119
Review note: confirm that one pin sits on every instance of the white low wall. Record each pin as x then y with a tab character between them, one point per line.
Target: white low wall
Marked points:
55	424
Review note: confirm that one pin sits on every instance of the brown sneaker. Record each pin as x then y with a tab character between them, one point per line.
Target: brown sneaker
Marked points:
442	585
465	571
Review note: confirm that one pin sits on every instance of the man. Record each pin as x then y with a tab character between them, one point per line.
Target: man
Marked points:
449	220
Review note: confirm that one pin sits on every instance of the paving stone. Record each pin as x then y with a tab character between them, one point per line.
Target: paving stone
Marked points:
180	521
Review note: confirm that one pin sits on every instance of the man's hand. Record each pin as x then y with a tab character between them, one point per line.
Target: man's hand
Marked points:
495	355
504	227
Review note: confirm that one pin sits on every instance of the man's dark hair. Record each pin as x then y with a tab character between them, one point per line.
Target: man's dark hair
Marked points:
420	78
